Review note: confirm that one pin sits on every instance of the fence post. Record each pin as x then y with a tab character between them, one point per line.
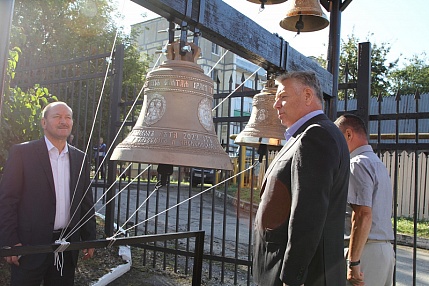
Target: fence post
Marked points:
363	89
6	13
118	65
198	259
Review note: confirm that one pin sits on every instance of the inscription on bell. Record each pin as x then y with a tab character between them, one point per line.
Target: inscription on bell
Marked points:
181	83
176	82
171	138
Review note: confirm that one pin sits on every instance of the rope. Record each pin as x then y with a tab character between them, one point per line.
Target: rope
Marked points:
214	108
61	241
92	128
194	196
160	55
208	73
77	226
157	187
59	261
111	241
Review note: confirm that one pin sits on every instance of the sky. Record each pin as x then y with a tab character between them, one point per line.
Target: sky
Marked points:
400	23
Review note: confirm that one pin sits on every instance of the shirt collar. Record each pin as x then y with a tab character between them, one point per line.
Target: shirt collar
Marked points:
294	127
50	146
360	150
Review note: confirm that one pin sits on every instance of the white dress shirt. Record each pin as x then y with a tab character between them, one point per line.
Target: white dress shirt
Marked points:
60	164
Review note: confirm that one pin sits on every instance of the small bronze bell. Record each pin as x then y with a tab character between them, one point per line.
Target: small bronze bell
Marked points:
175	126
263	127
304	16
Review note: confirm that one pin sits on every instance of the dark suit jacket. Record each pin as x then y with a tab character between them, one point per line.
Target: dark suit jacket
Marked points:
27	199
299	225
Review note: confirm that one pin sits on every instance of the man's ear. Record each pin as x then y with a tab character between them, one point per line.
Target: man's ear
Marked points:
348	134
309	94
43	122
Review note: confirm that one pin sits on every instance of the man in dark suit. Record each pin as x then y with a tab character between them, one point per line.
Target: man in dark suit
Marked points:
45	196
299	225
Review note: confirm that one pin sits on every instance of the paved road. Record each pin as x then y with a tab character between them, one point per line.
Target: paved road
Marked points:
404	266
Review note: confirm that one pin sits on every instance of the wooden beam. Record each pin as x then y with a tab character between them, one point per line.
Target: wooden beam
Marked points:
225	26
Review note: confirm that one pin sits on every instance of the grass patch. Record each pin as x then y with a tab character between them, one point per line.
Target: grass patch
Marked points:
245	193
406	226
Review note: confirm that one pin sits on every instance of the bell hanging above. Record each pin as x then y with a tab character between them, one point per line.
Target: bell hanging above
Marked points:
266	2
304	16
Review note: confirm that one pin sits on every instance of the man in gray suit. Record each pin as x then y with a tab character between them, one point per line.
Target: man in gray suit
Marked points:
299	225
44	196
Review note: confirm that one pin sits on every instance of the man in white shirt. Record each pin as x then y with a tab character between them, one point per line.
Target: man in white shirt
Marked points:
45	195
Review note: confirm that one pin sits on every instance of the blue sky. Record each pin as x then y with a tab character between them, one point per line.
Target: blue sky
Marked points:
402	24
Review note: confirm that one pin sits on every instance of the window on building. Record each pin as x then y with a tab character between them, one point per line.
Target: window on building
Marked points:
215	49
215	74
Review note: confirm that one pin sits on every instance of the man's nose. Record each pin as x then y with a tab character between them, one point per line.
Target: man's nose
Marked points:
275	103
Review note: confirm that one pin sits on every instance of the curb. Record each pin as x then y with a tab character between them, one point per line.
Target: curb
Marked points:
408	240
243	205
125	253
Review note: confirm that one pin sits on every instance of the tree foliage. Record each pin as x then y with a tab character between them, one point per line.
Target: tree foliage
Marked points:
380	67
21	111
51	31
413	77
54	30
386	77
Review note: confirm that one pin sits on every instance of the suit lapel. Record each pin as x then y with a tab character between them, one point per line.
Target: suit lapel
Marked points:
290	143
42	153
285	148
74	173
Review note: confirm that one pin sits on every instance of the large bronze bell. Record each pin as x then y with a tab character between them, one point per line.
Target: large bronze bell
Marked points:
263	127
175	125
304	16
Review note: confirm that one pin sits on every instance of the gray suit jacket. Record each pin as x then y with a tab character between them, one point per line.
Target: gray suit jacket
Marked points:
27	199
299	225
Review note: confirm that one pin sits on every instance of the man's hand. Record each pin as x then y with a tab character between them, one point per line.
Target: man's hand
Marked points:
13	259
88	253
355	276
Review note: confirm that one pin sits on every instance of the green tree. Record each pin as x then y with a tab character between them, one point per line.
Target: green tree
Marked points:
52	30
21	111
49	31
380	67
412	77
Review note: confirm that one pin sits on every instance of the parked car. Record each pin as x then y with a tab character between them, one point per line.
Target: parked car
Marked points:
197	178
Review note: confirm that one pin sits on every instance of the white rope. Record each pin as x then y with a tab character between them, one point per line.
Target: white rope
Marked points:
112	241
77	226
107	152
160	55
61	241
214	108
92	129
226	51
157	187
194	196
59	261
